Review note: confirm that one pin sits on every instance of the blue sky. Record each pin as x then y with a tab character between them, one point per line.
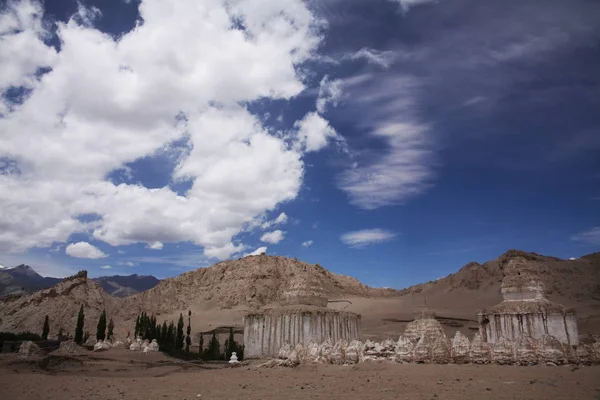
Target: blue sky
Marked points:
393	141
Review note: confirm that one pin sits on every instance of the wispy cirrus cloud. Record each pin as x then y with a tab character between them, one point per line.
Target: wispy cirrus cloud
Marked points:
366	237
405	167
591	236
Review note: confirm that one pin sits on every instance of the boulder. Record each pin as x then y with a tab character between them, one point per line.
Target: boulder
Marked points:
69	347
101	346
135	346
28	348
152	347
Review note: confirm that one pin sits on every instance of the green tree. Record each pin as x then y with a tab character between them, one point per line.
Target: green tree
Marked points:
201	344
111	327
163	335
179	338
230	345
213	351
136	331
46	329
188	339
79	328
170	341
101	328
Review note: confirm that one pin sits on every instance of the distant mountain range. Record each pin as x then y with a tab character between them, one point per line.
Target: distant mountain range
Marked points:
23	279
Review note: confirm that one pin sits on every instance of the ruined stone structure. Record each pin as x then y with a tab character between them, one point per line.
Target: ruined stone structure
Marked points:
525	329
525	312
302	319
424	325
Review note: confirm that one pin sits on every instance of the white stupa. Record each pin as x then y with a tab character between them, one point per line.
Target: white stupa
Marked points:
233	359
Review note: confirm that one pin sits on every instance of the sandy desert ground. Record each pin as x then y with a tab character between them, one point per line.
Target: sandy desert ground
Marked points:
121	374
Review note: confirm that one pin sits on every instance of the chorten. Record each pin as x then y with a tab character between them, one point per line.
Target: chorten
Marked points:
525	311
302	317
424	325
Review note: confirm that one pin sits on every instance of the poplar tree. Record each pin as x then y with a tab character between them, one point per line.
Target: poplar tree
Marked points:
179	338
79	329
188	339
46	329
111	327
101	328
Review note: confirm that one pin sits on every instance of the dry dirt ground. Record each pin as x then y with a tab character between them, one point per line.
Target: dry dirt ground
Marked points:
120	374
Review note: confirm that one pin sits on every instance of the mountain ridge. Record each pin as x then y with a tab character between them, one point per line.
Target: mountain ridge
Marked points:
223	293
23	279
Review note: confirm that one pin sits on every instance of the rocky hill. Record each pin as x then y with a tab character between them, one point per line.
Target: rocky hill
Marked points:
252	281
128	285
572	283
220	295
61	303
23	279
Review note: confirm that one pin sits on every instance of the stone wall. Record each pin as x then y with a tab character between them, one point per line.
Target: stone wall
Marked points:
266	332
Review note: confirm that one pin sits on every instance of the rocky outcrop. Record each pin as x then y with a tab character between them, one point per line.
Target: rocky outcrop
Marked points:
69	347
102	345
29	349
152	347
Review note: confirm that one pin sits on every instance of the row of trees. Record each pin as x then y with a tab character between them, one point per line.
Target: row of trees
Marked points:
171	339
101	328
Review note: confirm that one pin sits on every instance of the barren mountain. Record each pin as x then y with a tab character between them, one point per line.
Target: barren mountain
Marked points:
23	279
123	286
250	282
220	295
458	297
61	303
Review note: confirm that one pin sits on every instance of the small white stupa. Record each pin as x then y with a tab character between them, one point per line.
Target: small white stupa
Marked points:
233	359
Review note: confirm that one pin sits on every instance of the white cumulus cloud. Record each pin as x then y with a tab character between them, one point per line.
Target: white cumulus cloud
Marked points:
280	220
182	74
155	246
257	252
330	92
84	250
308	243
367	237
272	237
314	131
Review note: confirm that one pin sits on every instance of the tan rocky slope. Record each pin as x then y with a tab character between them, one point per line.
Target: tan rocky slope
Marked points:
250	282
572	283
61	303
220	295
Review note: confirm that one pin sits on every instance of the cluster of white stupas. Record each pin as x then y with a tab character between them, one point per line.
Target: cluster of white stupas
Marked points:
141	345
